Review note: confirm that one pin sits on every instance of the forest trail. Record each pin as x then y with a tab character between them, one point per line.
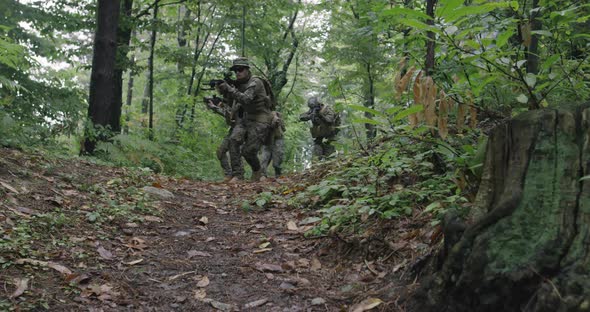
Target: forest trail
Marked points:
68	245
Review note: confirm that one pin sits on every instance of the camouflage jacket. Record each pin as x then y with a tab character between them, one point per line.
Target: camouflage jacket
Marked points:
323	121
252	98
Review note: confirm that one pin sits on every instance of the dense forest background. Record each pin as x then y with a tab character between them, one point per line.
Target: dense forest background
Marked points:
436	74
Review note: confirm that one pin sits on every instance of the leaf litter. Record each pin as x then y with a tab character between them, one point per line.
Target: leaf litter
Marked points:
259	259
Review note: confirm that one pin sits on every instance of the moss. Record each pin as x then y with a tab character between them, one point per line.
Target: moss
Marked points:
532	235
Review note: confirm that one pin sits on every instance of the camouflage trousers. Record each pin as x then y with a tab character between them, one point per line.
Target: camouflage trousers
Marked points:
322	147
274	152
231	144
256	135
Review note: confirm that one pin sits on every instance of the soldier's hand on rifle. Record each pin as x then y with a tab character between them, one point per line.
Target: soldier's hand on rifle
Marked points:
224	88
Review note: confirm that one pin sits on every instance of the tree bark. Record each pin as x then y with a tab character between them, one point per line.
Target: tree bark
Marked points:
151	73
102	79
430	43
527	246
124	30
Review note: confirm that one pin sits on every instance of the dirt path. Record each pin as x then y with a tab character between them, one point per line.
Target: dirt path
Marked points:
68	246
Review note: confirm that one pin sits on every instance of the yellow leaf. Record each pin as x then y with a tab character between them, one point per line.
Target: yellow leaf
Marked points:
366	305
264	245
292	226
204	282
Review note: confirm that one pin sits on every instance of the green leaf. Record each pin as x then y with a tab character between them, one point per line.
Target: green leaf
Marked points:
367	121
399	11
503	38
475	10
367	110
522	99
418	25
433	206
542	33
530	79
408	111
550	61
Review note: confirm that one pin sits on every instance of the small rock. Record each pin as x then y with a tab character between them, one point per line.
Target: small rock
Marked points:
162	193
318	301
286	285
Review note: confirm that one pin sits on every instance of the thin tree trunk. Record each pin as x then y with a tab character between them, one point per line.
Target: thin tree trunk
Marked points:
123	40
102	79
430	43
370	103
532	51
151	73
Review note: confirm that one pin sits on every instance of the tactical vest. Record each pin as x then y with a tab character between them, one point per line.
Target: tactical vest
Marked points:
258	110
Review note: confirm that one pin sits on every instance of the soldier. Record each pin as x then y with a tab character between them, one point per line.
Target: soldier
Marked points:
233	168
275	149
325	122
250	94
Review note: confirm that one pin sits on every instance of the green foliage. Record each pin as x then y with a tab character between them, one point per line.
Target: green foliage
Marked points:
403	177
169	158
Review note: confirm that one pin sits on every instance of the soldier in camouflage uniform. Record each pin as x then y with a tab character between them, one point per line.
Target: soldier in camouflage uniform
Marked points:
250	94
234	170
275	149
325	122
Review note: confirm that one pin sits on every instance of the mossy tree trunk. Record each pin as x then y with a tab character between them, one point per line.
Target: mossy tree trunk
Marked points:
527	247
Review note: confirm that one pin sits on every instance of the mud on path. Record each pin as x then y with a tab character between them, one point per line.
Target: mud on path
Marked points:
77	236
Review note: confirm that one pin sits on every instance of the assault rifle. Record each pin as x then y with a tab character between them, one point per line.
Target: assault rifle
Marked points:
214	82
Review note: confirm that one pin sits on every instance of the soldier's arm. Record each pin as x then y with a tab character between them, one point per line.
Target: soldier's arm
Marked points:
246	97
328	114
305	116
216	109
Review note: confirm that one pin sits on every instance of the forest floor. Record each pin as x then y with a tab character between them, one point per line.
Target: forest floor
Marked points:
79	236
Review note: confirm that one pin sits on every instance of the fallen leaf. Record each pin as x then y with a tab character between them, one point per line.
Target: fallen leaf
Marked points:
152	219
8	187
292	226
134	262
21	285
255	304
195	253
204	220
223	306
180	275
366	305
105	254
136	243
264	245
204	282
58	267
315	264
200	294
266	267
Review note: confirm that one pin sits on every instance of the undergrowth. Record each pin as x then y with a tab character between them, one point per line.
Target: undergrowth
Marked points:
403	176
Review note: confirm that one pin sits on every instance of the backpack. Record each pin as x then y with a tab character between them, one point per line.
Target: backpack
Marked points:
268	88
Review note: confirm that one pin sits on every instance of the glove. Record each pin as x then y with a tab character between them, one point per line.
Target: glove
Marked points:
225	88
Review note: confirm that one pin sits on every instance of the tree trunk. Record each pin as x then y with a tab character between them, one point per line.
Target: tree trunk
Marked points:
430	42
102	79
124	30
151	73
527	248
